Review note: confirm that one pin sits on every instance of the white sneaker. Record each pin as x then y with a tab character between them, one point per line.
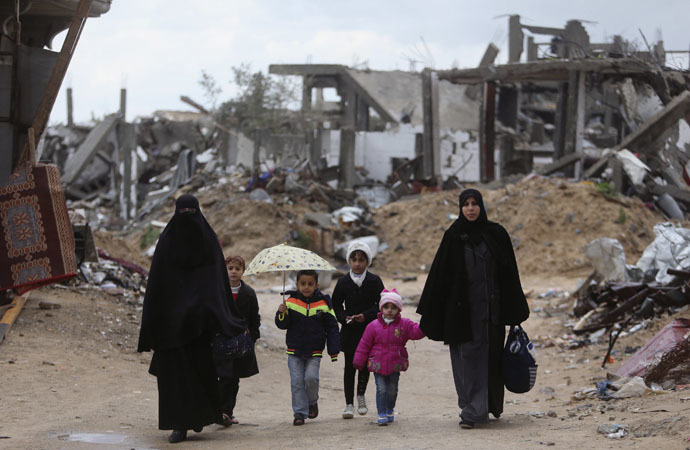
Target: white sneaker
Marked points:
362	405
349	412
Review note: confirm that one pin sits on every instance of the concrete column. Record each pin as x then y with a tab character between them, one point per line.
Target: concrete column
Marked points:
350	108
580	122
487	135
127	144
431	161
347	158
560	121
70	117
318	105
571	112
123	103
532	49
306	93
515	39
316	149
362	115
507	114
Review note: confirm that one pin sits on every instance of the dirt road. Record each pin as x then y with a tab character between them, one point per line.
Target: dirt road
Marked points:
70	378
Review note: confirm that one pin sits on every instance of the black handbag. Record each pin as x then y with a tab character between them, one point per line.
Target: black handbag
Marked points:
519	362
225	347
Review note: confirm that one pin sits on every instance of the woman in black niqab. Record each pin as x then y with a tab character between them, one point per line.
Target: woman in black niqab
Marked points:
184	307
472	292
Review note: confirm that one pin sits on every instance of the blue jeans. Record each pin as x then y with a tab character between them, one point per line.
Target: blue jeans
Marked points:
304	382
386	392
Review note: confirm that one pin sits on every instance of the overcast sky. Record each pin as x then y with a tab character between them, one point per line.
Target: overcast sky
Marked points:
158	48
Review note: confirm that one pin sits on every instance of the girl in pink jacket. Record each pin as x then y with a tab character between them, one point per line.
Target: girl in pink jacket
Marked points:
382	350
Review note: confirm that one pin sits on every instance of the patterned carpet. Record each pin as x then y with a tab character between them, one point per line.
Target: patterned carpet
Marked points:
37	242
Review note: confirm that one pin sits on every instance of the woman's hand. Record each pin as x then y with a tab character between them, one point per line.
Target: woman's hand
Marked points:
359	318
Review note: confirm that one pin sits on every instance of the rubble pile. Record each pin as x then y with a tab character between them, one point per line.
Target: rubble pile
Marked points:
658	284
550	220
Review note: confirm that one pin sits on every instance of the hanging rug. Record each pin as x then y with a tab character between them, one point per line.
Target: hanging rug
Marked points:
36	237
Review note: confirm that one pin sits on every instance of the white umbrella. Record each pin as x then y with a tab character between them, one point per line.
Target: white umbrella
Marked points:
283	258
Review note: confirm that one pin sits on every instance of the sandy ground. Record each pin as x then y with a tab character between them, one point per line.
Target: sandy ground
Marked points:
71	379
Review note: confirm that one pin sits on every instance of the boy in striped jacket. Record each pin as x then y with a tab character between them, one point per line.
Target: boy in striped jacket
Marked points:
308	317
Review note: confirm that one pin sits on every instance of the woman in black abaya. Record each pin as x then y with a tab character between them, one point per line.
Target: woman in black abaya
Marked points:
471	293
184	307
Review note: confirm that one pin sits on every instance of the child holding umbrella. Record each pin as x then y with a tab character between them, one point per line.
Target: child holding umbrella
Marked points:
308	317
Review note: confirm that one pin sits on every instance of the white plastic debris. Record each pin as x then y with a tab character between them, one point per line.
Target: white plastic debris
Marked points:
348	214
670	249
607	257
634	168
206	156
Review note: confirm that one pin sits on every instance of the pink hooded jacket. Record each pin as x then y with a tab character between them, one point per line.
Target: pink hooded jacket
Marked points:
382	347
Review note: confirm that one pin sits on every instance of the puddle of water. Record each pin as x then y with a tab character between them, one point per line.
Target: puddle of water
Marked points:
94	438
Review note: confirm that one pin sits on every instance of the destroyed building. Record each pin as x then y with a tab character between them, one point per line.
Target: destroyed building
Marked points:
30	74
571	99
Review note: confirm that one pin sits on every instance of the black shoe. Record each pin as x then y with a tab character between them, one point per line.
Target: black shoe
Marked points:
313	411
225	421
177	436
298	420
198	429
466	424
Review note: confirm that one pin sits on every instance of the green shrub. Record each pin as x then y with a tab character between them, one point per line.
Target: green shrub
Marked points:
607	189
621	216
302	239
149	237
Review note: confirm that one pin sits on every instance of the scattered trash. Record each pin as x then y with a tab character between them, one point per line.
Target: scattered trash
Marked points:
613	430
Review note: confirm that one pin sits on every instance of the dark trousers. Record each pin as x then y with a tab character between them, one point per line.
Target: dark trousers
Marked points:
349	379
228	388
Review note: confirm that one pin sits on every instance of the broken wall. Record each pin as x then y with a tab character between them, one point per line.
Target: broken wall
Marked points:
375	151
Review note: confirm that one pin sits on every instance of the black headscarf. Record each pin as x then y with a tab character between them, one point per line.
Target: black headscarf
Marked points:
188	286
480	229
443	303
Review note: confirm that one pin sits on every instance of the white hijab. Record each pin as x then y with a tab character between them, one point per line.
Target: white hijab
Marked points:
361	246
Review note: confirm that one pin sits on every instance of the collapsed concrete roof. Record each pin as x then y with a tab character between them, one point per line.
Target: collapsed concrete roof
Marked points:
400	93
552	70
396	96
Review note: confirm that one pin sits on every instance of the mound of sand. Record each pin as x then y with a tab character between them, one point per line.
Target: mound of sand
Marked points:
549	220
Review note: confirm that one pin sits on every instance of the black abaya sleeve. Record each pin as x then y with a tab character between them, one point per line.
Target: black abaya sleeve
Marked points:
514	308
432	303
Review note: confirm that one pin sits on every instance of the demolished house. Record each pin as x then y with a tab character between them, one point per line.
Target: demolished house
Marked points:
379	123
582	104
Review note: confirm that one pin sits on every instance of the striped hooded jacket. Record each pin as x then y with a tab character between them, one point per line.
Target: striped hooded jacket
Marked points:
310	324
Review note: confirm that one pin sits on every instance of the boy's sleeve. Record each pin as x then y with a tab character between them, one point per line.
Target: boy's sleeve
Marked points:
363	348
371	312
338	299
332	333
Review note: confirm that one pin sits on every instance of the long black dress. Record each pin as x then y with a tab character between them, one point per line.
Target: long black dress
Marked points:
472	291
184	307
